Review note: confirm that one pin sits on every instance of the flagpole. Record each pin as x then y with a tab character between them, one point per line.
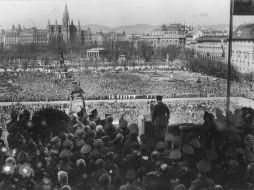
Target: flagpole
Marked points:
229	58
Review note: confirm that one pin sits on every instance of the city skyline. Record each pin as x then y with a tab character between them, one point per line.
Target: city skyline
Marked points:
115	13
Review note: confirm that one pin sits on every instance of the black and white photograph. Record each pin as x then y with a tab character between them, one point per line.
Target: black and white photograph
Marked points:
126	94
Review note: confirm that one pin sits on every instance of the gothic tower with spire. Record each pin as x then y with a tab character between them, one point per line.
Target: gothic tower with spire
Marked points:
66	24
79	28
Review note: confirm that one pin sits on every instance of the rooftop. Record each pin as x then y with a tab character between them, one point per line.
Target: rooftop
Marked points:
244	31
96	49
174	27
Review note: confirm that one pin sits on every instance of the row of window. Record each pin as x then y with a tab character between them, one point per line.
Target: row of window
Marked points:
239	68
209	47
166	32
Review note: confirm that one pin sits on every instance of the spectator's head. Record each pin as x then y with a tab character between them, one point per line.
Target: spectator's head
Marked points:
22	157
80	113
154	155
26	115
208	117
66	187
94	112
179	187
63	136
85	149
110	156
133	130
104	180
98	144
159	98
92	125
62	177
70	136
109	127
203	166
81	163
123	124
248	119
164	169
218	187
68	144
64	154
100	164
109	119
160	147
14	115
131	176
250	171
10	160
99	129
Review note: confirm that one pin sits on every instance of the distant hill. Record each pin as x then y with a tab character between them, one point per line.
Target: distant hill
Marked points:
218	27
136	29
96	28
140	28
129	29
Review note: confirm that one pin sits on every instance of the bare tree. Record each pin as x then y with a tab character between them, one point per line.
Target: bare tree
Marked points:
146	50
24	64
164	27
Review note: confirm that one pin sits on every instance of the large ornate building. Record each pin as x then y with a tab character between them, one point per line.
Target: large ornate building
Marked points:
55	32
23	36
66	31
171	35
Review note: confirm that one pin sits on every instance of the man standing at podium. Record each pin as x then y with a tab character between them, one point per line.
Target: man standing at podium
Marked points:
160	117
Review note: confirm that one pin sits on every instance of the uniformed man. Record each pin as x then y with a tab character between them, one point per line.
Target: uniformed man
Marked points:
160	118
76	89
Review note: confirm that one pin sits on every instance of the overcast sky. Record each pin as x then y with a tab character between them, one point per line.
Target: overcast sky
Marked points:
115	13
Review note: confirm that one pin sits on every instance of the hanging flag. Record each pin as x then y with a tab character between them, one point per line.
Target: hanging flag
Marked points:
243	7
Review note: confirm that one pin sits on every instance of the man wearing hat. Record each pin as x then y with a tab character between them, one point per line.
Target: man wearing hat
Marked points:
76	89
160	117
203	182
131	176
82	116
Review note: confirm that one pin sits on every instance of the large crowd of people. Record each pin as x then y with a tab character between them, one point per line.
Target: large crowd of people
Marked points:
182	111
45	146
38	86
49	149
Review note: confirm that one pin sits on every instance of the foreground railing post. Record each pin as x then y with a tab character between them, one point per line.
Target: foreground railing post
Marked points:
229	59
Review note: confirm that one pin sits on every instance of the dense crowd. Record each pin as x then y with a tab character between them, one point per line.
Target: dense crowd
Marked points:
44	146
38	86
33	86
52	150
182	111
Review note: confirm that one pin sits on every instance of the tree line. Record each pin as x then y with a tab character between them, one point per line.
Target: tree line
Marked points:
213	68
131	50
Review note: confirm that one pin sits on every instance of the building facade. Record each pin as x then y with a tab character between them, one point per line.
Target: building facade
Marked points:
171	35
214	45
66	31
86	37
23	36
95	54
100	38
